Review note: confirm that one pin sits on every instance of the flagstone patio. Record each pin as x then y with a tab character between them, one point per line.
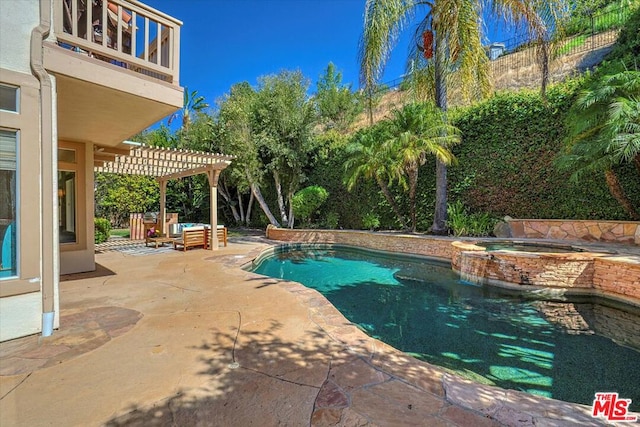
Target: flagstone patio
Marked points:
189	338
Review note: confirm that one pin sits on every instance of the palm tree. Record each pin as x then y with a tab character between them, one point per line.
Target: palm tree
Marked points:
369	159
455	28
192	103
604	130
418	130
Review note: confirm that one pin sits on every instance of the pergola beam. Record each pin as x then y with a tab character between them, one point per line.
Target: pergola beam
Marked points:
160	162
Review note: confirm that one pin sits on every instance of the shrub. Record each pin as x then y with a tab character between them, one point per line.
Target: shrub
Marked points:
370	221
102	228
307	201
465	224
331	220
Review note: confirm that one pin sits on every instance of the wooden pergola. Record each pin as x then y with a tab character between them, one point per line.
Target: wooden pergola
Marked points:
131	158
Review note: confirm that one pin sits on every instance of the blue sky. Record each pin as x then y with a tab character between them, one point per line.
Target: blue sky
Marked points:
224	42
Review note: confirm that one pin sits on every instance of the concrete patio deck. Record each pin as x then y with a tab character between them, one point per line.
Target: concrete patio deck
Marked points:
190	338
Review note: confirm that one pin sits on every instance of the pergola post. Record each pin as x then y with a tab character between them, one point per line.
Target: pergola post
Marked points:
163	206
213	176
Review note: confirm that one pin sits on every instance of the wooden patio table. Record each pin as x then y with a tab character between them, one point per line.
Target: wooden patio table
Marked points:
158	240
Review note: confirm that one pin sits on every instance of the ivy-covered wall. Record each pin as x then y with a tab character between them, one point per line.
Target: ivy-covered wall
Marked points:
506	161
505	167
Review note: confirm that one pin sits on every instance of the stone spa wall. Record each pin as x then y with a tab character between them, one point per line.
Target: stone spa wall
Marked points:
612	275
590	231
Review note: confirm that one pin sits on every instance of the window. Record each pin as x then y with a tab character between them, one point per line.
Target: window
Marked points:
8	98
67	195
8	203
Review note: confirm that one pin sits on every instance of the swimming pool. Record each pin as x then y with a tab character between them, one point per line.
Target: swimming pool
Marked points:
567	350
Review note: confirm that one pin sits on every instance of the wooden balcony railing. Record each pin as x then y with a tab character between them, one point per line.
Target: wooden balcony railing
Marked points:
125	33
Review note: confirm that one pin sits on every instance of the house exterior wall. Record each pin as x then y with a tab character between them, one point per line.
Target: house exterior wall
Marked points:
80	257
20	315
19	17
64	98
21	296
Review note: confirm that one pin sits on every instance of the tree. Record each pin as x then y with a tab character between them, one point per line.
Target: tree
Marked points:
337	105
192	104
416	131
239	135
119	195
307	201
456	30
604	127
285	118
270	129
368	158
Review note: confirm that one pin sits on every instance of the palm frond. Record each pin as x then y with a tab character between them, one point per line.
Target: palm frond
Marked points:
383	21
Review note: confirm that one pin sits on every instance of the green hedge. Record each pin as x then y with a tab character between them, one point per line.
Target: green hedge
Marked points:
505	167
102	228
507	160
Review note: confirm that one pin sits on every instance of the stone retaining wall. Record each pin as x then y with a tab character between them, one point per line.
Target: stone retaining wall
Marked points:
430	246
591	231
520	69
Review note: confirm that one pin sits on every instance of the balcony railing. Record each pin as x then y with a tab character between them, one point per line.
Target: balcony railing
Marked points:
125	33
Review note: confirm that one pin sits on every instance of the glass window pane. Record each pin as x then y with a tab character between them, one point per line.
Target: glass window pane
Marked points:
67	156
8	205
8	98
67	206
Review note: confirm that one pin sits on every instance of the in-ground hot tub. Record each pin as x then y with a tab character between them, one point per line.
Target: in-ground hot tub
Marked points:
521	246
556	268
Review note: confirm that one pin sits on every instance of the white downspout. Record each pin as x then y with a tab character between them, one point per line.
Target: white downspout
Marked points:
48	167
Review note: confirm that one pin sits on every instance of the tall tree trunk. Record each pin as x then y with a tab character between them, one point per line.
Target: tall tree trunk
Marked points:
224	192
440	215
387	195
413	185
291	215
636	161
281	206
255	190
249	208
370	106
241	206
543	62
617	192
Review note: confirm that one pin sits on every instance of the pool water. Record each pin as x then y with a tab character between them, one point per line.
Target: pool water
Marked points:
528	247
567	350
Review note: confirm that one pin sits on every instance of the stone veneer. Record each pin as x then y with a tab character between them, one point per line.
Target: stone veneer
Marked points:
591	231
617	274
582	272
429	246
540	269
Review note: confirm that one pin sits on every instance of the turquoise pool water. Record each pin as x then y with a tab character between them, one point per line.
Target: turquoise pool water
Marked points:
567	350
528	247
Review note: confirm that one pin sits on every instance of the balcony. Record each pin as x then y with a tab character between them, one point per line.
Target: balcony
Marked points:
117	66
